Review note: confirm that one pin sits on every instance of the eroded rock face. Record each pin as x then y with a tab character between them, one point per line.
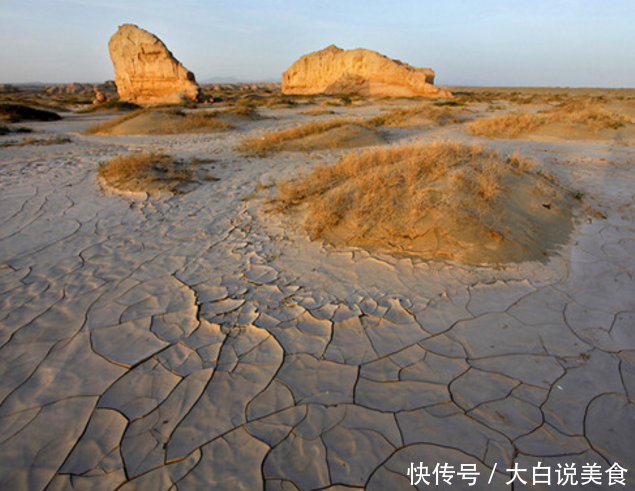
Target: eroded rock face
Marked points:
146	72
358	71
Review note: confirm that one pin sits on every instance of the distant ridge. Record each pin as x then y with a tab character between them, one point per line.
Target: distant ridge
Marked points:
236	80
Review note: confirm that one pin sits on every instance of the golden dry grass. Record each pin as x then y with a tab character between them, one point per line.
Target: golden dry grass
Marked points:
422	113
440	200
507	125
165	122
274	141
587	112
146	172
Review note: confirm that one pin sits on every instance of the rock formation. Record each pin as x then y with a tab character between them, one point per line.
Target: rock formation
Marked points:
358	71
146	72
100	97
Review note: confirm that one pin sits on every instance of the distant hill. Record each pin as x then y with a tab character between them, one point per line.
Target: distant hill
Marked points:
235	80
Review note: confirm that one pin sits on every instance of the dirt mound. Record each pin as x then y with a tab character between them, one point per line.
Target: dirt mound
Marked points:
426	115
333	133
161	122
346	136
442	200
14	113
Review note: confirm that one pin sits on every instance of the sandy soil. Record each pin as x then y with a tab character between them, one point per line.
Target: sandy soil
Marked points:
198	341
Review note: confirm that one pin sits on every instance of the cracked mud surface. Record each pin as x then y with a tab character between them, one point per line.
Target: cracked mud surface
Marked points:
197	342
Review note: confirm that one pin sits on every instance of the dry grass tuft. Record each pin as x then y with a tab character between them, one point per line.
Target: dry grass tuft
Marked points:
275	141
589	113
507	125
147	172
426	113
443	200
152	121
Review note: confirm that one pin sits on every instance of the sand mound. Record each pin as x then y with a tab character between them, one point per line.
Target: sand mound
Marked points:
330	134
442	200
161	122
238	114
345	136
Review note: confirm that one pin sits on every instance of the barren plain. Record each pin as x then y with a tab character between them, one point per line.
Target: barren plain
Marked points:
202	339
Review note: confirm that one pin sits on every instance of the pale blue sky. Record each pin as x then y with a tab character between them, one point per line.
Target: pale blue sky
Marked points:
467	42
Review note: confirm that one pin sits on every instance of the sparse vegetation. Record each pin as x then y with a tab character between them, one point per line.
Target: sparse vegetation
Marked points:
578	195
410	116
317	112
507	125
151	121
5	130
14	113
113	105
275	141
590	113
244	111
54	140
272	101
440	200
419	114
451	103
147	172
346	99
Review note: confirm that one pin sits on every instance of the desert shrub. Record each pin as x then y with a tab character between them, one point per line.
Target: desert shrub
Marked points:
14	113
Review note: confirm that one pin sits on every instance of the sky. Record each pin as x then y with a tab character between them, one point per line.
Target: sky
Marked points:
564	43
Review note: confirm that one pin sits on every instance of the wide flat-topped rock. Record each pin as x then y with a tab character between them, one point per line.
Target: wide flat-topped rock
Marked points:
146	72
358	71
